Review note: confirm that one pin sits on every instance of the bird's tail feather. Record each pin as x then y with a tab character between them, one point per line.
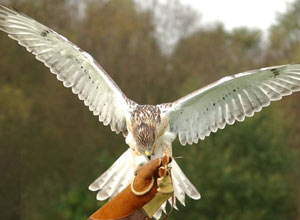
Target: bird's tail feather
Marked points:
116	178
182	186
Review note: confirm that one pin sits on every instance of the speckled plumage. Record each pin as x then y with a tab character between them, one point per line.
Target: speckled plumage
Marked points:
142	113
144	120
148	127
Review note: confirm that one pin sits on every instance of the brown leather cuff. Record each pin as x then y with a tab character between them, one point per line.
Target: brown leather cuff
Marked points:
139	214
129	204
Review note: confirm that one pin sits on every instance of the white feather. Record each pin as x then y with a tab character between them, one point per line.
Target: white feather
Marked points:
74	67
230	99
101	181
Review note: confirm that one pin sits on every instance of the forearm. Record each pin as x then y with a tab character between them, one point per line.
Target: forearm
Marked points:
130	203
122	204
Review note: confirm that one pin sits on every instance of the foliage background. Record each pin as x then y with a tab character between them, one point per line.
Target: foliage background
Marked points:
52	148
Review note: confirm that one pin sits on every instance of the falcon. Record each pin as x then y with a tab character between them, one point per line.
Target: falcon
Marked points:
149	130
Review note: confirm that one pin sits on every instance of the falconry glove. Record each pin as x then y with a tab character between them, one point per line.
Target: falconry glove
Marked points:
151	187
165	190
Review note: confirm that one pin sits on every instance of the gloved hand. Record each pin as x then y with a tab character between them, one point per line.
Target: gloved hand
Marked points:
130	201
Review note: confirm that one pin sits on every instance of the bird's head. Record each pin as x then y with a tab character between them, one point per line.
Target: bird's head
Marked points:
144	134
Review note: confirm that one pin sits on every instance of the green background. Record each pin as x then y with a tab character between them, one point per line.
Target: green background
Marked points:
52	147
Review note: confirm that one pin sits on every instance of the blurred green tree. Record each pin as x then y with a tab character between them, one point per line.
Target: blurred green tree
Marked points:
52	148
241	170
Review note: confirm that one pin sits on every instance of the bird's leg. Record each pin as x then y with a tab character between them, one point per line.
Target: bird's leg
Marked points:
141	161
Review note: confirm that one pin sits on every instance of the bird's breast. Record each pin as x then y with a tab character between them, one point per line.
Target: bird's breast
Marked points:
130	140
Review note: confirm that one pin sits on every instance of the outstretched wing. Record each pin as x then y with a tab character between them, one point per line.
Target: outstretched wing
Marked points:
74	67
230	99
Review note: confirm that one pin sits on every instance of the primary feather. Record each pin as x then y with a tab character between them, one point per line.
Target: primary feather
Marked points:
192	117
74	67
230	99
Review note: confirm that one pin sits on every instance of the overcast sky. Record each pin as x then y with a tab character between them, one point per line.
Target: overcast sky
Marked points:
235	13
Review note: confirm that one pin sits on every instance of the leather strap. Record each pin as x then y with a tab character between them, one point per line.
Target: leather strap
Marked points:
169	213
164	192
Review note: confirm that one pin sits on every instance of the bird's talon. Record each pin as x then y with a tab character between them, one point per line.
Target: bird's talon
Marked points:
140	166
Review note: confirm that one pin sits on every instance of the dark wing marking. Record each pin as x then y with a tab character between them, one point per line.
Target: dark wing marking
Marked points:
74	67
230	99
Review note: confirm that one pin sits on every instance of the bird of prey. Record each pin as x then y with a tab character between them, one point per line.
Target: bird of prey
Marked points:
149	129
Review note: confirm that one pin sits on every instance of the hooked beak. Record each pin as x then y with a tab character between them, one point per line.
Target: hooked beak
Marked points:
150	152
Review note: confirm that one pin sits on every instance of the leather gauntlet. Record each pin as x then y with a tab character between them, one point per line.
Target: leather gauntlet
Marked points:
150	188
